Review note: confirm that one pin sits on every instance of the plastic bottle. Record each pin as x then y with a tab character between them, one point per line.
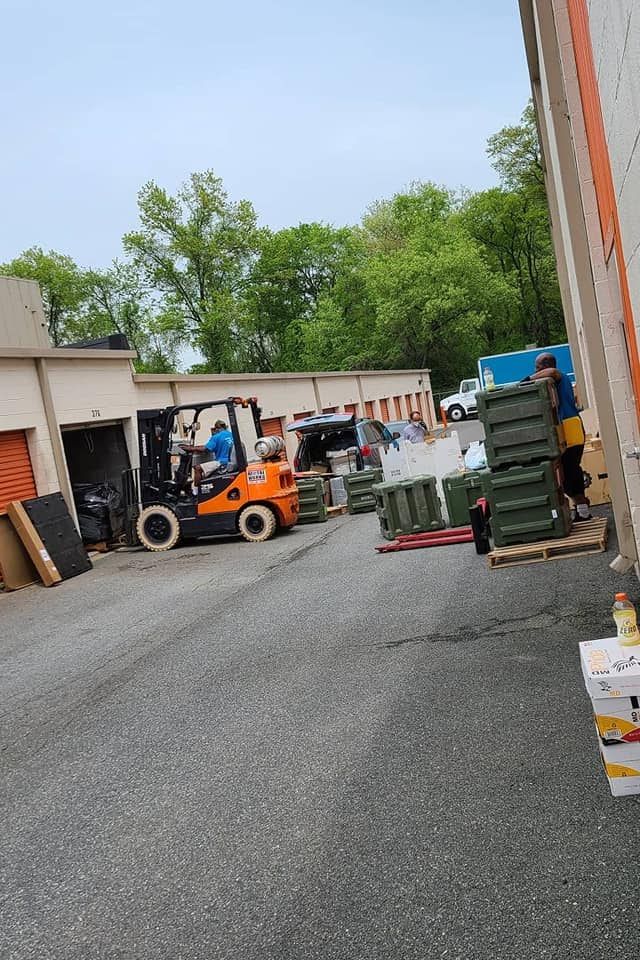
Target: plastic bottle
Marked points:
624	615
489	382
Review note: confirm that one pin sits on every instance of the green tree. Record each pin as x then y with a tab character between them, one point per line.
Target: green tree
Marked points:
513	228
515	154
116	302
305	299
61	286
433	291
195	249
512	225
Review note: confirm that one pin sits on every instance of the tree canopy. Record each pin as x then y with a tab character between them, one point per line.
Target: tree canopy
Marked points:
429	277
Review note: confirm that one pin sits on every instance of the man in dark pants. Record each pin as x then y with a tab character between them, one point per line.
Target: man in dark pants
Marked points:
546	368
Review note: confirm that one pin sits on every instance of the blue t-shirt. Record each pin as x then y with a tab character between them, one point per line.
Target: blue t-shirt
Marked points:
220	445
566	400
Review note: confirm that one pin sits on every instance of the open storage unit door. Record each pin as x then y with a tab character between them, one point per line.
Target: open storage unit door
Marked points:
96	454
16	473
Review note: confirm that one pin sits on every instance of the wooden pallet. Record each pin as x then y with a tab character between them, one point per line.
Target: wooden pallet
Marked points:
337	511
590	536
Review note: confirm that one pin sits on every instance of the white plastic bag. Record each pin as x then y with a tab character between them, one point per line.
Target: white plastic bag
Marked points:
475	458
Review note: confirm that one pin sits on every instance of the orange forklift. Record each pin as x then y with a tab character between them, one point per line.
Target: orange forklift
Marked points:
251	498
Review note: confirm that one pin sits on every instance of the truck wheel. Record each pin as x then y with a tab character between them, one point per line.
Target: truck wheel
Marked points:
257	523
456	413
158	528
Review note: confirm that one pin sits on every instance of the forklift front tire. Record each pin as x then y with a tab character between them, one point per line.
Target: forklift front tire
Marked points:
158	528
257	523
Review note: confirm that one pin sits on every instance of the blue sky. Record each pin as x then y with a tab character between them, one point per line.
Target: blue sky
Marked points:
310	111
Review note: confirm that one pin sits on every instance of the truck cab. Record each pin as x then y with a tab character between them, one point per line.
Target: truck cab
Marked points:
462	404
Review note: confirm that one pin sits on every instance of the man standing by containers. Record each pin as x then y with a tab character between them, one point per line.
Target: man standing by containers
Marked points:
569	415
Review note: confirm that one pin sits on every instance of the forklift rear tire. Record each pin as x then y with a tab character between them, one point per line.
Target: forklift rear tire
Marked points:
158	528
257	523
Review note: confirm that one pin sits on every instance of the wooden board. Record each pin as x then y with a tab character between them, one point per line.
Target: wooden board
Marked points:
337	511
16	568
587	537
34	546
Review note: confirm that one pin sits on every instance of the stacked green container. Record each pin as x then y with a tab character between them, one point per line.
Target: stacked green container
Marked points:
524	443
527	503
461	491
359	487
312	508
520	424
408	506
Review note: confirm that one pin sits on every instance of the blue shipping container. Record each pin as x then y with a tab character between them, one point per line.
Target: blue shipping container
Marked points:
512	367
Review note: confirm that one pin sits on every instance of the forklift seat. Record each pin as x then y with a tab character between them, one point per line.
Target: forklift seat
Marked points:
232	466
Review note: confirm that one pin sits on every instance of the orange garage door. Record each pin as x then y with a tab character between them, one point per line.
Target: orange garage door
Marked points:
16	475
272	427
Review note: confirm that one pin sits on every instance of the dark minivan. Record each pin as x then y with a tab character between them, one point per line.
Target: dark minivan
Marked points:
327	435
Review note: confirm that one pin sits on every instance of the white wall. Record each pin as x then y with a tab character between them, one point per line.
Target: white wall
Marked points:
22	322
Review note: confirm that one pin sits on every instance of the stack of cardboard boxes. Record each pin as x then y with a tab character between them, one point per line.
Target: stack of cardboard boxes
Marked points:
612	677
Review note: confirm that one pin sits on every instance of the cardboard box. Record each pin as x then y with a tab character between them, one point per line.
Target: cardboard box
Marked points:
593	464
621	764
617	718
34	546
609	669
16	568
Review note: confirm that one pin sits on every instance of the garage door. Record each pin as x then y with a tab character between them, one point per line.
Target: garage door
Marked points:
272	427
16	475
351	408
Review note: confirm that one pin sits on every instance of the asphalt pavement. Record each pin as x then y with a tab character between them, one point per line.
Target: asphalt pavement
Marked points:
303	749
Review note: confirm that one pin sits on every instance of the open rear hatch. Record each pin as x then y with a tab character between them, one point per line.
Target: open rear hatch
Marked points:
323	423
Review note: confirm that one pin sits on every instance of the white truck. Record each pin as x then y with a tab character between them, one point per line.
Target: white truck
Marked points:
462	404
498	369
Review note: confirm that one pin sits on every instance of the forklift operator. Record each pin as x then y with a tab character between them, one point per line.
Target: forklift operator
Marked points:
219	444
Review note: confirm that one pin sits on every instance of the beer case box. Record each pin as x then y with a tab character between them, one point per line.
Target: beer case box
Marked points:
609	669
621	762
617	719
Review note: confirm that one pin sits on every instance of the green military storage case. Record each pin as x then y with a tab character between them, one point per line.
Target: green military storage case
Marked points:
521	423
359	487
461	491
408	506
312	508
527	503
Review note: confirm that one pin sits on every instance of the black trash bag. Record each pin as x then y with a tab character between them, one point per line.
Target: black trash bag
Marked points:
100	511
